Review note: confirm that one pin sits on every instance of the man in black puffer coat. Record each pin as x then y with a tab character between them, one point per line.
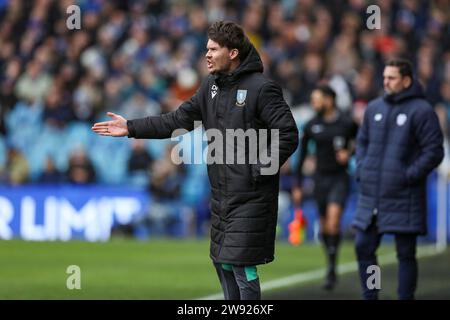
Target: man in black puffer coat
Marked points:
235	97
398	145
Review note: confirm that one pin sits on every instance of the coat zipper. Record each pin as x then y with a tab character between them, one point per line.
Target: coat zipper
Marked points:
223	203
385	136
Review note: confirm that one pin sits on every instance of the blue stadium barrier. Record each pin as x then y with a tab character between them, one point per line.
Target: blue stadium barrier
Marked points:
65	212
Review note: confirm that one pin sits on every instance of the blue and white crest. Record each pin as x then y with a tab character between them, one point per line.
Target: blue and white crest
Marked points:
214	91
241	95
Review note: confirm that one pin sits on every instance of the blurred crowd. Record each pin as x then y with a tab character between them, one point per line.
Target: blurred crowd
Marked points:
144	57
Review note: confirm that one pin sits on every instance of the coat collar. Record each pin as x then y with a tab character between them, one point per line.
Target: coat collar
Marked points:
413	91
252	63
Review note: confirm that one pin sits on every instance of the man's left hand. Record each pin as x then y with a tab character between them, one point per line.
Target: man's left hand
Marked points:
342	156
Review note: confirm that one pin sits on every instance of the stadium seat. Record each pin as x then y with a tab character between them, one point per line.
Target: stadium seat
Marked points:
78	133
24	124
23	115
138	178
157	147
109	157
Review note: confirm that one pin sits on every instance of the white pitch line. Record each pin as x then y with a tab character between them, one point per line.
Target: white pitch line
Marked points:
303	277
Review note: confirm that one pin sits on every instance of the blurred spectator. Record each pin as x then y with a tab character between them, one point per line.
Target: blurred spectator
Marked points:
343	57
186	84
363	91
56	113
443	107
426	71
164	189
139	106
313	72
87	99
144	57
7	96
153	85
81	170
16	169
165	184
34	84
51	174
167	177
140	159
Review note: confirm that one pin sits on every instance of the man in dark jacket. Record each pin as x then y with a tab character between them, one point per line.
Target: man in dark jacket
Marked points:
235	96
398	145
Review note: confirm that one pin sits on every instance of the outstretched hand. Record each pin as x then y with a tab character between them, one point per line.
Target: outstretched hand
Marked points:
113	128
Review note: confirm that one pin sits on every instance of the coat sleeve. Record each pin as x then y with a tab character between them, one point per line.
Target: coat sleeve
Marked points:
430	140
362	141
161	127
275	113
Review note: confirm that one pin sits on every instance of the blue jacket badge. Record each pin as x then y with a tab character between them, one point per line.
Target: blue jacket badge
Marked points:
241	95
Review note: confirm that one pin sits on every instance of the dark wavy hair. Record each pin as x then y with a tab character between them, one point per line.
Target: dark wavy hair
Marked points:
404	67
229	34
326	90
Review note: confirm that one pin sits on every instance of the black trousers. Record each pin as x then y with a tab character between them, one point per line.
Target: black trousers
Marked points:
238	282
366	244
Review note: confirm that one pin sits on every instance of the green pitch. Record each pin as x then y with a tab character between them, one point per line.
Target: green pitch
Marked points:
126	269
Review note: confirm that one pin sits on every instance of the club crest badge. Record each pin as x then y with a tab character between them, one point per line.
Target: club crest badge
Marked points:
317	128
241	95
401	119
213	91
378	117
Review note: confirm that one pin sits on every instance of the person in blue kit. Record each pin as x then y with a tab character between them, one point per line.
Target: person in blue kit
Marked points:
399	143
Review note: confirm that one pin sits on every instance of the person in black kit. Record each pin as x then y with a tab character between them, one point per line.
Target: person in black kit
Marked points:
333	134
